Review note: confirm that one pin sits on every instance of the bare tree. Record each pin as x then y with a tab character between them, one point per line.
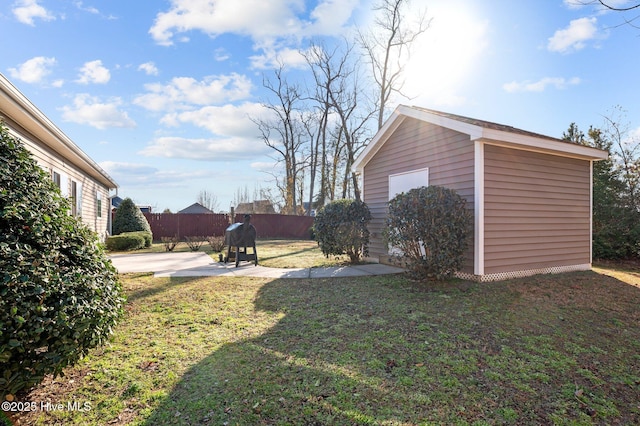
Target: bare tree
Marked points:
284	133
388	46
611	5
338	98
208	199
626	154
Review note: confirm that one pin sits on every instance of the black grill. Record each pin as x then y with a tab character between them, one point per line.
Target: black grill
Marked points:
238	237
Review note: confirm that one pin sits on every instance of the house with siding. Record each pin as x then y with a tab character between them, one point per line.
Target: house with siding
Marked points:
76	174
531	195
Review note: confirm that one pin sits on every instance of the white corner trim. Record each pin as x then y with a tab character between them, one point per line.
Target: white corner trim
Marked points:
591	211
478	226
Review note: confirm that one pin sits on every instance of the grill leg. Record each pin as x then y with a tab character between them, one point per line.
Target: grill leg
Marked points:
255	255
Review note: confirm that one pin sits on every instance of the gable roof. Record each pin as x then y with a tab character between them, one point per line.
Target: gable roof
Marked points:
478	130
196	208
16	107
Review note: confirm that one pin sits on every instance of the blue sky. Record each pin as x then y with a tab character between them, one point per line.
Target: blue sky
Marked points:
159	93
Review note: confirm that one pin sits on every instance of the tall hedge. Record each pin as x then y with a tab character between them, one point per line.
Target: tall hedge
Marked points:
430	228
129	218
340	227
59	294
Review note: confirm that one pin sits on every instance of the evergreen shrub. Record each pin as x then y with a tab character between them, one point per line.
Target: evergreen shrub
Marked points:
126	241
59	293
429	229
340	227
129	218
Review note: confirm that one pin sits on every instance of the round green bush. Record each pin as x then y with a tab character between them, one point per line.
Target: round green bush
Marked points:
340	227
129	218
59	293
125	241
431	227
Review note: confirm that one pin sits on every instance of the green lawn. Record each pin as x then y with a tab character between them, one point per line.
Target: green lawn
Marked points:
557	349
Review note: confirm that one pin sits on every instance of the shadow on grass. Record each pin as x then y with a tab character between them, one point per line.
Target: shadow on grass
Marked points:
551	349
147	290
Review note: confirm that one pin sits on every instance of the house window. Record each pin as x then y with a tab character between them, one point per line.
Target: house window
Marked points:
55	176
98	204
76	198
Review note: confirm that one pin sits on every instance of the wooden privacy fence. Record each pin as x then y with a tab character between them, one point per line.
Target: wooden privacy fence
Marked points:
187	225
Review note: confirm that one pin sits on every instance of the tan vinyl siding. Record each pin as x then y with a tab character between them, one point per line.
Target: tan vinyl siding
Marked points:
537	210
51	162
416	145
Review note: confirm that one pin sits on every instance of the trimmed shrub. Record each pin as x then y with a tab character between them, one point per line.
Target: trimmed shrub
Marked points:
129	218
126	241
59	294
340	227
170	243
216	242
431	227
194	242
147	237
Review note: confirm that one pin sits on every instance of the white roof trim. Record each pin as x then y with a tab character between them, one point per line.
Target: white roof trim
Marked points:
475	132
18	108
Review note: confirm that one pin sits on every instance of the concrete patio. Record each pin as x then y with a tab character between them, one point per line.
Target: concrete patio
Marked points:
201	265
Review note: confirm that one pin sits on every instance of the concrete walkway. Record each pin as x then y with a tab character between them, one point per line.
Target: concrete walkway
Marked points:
201	265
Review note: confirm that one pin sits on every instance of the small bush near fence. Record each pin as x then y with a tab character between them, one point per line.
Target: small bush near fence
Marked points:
216	243
126	241
170	243
195	242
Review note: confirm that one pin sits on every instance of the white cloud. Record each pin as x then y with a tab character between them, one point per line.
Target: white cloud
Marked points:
89	9
221	54
257	19
116	167
149	68
93	72
235	135
331	16
33	70
574	4
575	36
264	166
559	83
224	120
147	176
272	57
26	11
205	149
183	92
101	115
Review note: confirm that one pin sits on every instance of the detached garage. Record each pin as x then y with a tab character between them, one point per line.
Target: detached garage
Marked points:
530	194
